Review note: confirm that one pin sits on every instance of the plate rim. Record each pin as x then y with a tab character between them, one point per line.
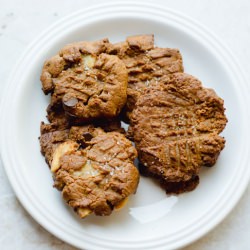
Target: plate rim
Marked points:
94	9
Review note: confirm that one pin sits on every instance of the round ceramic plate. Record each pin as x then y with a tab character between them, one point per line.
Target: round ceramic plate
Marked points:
150	220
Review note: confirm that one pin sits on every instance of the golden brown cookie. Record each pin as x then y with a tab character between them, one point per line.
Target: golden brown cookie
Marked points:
87	82
176	126
93	169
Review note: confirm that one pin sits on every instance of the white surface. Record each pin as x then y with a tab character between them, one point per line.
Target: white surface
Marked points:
19	28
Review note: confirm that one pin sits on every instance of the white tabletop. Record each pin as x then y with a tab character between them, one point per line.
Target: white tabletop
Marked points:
21	21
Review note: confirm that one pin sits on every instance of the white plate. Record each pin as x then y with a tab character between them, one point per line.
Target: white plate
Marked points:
151	220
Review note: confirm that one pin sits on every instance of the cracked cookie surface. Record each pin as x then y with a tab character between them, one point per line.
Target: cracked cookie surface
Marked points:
146	65
86	81
176	127
93	169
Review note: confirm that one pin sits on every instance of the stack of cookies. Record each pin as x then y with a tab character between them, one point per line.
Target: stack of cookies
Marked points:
173	120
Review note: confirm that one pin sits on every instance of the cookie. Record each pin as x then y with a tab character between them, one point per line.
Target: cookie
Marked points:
94	170
176	126
146	65
85	81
